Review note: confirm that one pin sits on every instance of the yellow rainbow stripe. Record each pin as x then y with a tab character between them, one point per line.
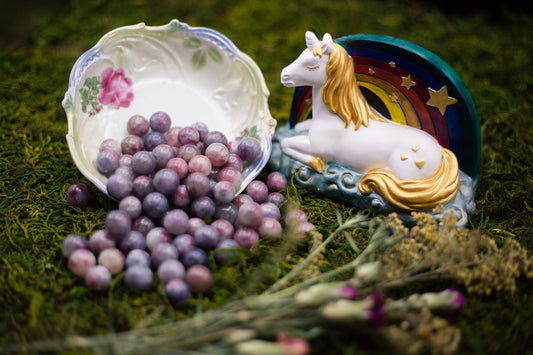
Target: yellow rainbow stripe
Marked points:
402	111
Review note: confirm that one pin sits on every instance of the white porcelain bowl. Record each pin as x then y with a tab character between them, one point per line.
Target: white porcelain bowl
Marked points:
191	73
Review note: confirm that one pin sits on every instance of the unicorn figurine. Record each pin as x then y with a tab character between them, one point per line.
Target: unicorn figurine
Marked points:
403	164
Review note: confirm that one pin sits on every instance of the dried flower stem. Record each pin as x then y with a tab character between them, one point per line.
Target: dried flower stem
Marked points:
351	223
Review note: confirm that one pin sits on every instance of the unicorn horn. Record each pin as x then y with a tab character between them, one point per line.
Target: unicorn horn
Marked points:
311	40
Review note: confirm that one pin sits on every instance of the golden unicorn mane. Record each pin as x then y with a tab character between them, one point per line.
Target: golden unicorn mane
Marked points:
341	93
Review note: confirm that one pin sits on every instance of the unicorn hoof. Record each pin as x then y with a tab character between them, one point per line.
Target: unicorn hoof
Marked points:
317	163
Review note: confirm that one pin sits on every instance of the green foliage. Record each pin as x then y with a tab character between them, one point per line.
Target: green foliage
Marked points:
42	300
89	93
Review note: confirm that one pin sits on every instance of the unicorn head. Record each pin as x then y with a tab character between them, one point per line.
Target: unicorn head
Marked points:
309	69
327	65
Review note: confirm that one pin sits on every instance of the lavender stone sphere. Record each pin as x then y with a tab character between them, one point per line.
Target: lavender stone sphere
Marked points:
179	165
162	252
78	194
226	211
203	207
132	205
80	261
166	181
202	129
138	125
257	190
125	160
199	278
215	137
270	210
269	228
126	171
153	139
197	184
276	181
110	144
163	153
224	228
249	149
224	191
188	135
155	205
177	290
170	269
206	237
160	122
276	198
117	224
119	186
131	144
184	243
200	164
156	236
225	250
143	224
195	256
171	137
73	242
113	259
246	237
230	174
217	153
180	198
107	162
143	163
194	224
250	214
176	221
139	277
133	240
138	257
242	199
142	186
98	277
100	240
187	151
235	161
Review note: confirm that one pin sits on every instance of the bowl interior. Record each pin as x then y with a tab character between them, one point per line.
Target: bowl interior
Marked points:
192	73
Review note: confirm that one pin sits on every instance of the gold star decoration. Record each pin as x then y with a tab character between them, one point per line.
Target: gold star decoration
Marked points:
392	64
393	97
440	99
407	82
371	71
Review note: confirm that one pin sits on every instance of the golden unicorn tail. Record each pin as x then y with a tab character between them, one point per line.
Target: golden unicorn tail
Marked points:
415	194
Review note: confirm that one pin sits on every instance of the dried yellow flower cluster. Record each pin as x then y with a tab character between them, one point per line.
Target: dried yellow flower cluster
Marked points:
424	332
436	250
312	269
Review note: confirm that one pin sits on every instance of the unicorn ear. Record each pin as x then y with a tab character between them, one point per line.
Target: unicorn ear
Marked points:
327	38
327	42
311	40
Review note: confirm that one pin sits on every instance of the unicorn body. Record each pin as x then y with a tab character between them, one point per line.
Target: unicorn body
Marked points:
406	165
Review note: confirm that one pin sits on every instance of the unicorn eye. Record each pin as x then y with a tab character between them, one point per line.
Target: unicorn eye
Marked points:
313	67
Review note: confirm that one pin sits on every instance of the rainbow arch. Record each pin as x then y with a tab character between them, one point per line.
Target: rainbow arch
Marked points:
410	85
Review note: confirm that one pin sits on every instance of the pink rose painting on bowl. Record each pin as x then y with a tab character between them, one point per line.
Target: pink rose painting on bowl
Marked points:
113	88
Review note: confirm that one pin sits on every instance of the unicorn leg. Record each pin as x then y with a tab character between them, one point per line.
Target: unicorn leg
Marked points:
299	148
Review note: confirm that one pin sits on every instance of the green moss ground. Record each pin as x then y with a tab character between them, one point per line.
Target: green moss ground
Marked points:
491	49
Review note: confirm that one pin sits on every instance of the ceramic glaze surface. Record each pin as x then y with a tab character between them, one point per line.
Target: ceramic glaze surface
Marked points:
192	73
